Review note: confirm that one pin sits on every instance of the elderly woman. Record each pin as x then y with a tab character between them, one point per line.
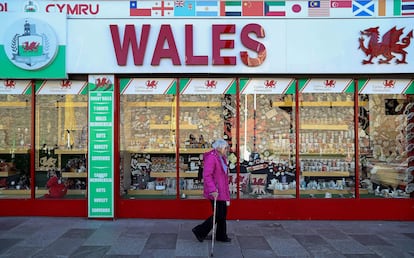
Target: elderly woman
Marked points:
216	186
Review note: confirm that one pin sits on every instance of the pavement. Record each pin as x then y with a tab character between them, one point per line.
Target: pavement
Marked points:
23	237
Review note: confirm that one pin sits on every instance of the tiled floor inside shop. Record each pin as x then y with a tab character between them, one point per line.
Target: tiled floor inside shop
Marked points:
81	237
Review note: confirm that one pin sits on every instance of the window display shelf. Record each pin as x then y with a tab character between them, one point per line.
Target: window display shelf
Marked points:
324	127
146	192
71	104
317	191
14	104
16	151
173	174
318	103
70	151
162	192
74	174
326	173
168	150
7	173
15	192
172	127
194	150
38	191
169	104
192	192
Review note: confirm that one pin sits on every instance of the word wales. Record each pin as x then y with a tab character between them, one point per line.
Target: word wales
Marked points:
222	38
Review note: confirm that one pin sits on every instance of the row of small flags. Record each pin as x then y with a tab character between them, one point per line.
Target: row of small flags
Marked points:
286	8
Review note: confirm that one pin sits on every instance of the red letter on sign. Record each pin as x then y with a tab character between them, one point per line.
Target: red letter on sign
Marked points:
165	35
190	58
130	37
220	44
252	45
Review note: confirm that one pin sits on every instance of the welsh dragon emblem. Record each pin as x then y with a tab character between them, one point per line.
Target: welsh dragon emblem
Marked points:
388	47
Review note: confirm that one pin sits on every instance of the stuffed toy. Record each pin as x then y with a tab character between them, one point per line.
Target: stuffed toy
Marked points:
57	189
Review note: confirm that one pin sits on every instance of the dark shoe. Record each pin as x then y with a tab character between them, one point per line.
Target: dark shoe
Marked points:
226	240
199	238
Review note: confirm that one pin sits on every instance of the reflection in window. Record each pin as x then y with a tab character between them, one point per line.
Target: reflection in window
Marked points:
386	145
15	140
326	145
267	168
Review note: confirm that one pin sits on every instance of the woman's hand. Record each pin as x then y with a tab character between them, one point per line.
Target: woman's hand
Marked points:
214	194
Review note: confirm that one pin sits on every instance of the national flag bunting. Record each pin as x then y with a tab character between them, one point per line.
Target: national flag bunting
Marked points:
296	9
407	7
140	8
163	8
318	8
184	8
230	8
252	8
363	7
274	8
206	8
341	4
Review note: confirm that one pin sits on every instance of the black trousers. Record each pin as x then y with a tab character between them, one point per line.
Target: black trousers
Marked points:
221	214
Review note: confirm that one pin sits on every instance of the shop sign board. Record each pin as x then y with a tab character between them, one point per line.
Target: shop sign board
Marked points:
326	85
32	45
241	46
267	86
208	86
15	87
386	86
101	150
61	87
145	86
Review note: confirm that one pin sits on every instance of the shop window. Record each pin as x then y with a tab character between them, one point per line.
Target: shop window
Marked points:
61	139
326	145
148	139
267	139
15	139
386	145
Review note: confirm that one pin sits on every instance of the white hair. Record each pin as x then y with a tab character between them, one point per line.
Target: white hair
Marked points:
220	144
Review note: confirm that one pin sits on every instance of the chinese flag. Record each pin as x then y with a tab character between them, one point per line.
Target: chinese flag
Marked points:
252	8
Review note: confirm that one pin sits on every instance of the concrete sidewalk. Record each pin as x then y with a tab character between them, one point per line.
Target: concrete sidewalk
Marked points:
80	237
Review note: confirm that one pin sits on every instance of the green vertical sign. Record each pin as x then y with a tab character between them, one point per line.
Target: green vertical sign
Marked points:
101	154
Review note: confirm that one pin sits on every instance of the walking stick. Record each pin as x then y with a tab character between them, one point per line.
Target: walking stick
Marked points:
214	226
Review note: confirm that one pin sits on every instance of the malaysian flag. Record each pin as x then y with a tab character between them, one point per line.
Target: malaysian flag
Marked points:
318	8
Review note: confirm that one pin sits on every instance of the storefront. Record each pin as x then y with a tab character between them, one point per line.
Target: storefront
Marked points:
121	98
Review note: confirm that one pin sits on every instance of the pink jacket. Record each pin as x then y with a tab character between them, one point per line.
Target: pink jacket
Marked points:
215	178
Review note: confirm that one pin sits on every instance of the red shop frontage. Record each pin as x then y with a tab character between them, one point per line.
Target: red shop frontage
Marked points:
118	112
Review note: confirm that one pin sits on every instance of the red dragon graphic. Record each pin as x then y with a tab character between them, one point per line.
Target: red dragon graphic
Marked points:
389	45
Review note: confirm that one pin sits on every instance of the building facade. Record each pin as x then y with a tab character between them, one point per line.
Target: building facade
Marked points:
120	99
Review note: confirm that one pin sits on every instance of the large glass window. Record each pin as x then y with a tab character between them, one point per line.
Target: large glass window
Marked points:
267	139
326	142
15	138
61	139
386	144
206	112
148	138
